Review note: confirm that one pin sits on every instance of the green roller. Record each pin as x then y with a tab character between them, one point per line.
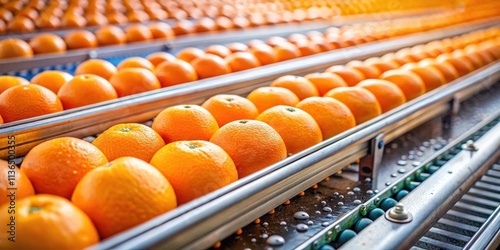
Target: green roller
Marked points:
345	236
361	224
375	213
401	194
387	203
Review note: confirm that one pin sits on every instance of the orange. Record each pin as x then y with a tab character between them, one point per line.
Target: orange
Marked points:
52	79
159	57
267	97
362	103
70	158
382	66
27	101
84	90
325	81
228	108
297	128
473	58
350	75
189	54
129	139
218	50
97	67
276	40
21	25
388	94
286	51
264	53
161	30
138	33
239	61
430	75
463	67
175	72
308	48
205	24
195	168
448	71
12	177
368	71
237	137
13	47
237	47
60	225
135	62
410	83
185	122
1	120
300	86
332	116
80	39
183	27
209	65
110	35
7	82
129	81
123	194
47	43
73	21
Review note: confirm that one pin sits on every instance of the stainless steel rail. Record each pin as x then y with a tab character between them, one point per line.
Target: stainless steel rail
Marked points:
488	232
141	107
204	221
430	200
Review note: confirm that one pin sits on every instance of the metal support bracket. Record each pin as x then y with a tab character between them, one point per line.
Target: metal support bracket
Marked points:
454	108
369	164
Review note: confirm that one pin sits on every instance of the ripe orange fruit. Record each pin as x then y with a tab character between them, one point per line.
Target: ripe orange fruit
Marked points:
237	47
362	103
209	65
368	71
448	71
138	33
97	67
308	48
325	81
7	82
129	139
84	90
60	225
264	53
183	27
161	30
332	116
12	177
350	75
238	136
218	50
388	95
286	51
185	122
123	194
267	97
52	79
189	54
430	75
410	83
80	39
205	24
21	25
135	62
129	81
27	101
382	66
300	86
175	72
239	61
297	128
110	35
73	21
159	57
182	162
47	43
70	158
463	67
228	108
13	47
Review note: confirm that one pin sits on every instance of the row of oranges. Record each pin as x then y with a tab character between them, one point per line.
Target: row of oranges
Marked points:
113	35
193	150
26	16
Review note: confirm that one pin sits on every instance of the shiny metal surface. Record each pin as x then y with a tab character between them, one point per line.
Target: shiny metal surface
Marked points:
429	201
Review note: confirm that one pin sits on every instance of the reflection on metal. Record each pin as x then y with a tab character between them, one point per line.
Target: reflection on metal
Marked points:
369	164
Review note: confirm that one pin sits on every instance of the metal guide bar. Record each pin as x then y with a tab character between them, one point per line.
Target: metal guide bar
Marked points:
329	233
202	222
433	198
141	107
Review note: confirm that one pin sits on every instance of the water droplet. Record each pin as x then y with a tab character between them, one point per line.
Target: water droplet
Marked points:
411	157
302	227
394	145
301	215
325	224
336	193
370	192
264	236
275	240
394	175
402	163
387	183
412	152
401	171
329	216
265	224
253	240
247	248
356	202
350	193
415	163
283	223
341	197
340	203
368	179
403	157
426	144
323	203
348	188
310	222
327	209
317	212
356	189
420	154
